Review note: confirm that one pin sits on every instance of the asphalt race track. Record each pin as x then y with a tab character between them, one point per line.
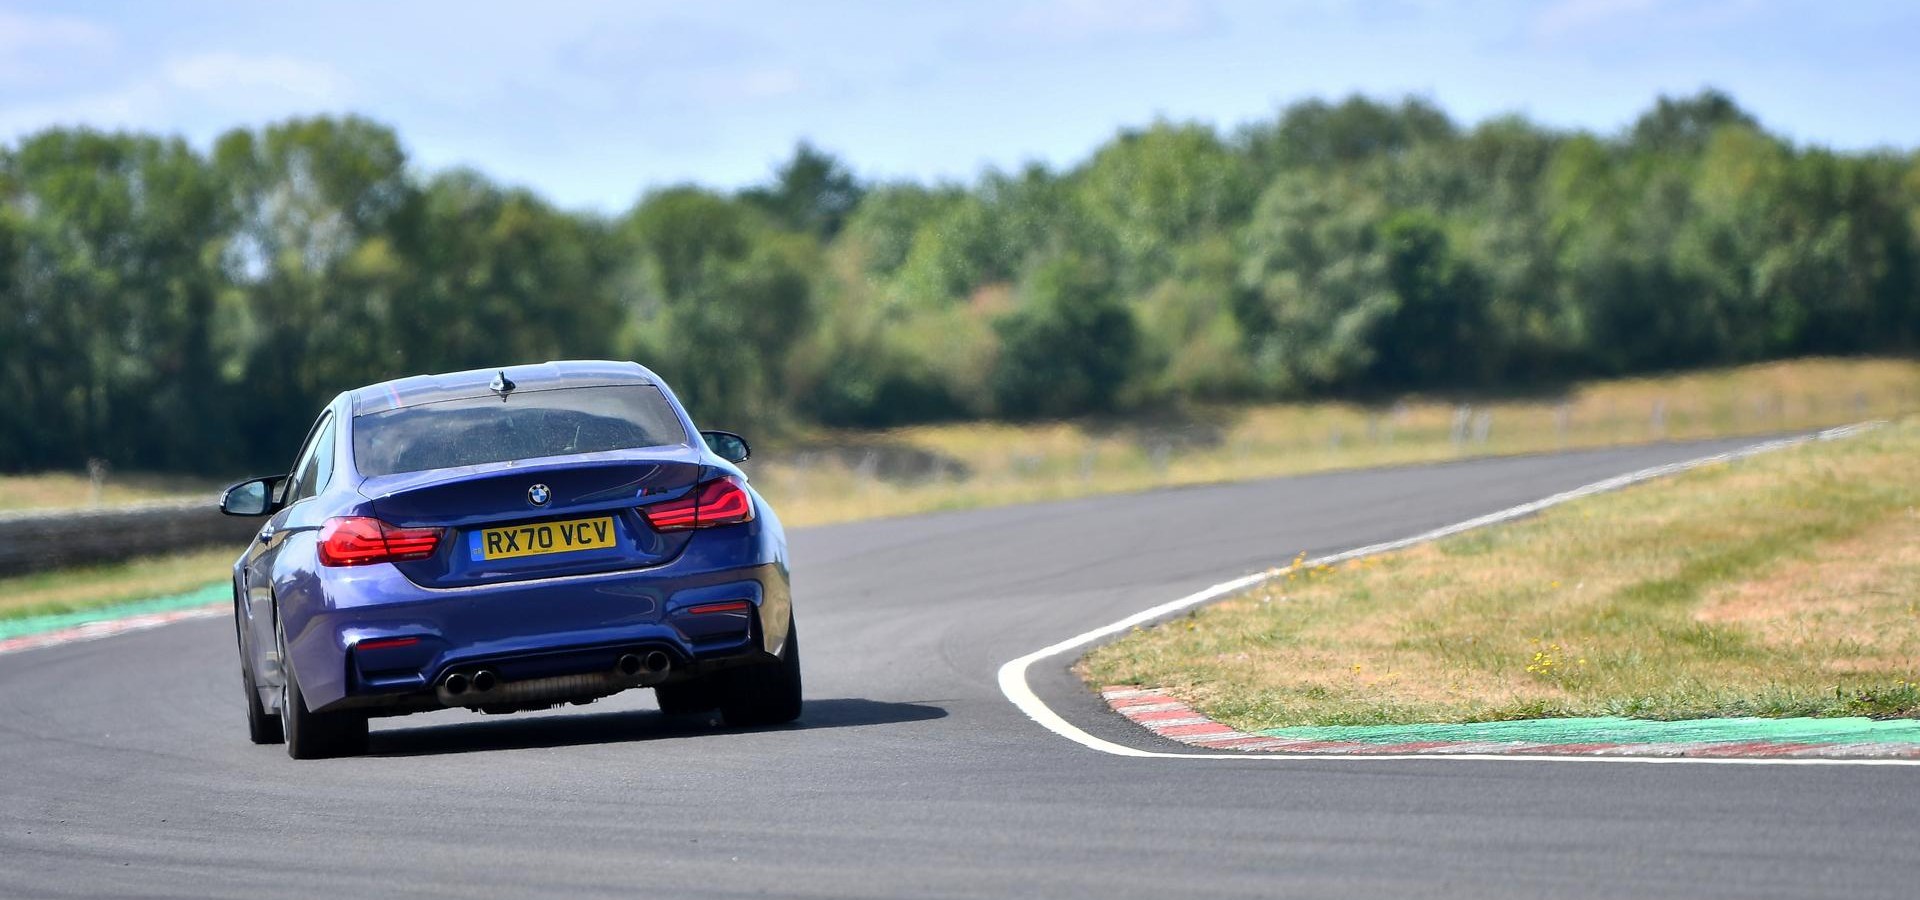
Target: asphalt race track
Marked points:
125	769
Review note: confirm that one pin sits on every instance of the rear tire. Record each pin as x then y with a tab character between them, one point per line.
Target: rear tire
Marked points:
312	735
262	727
766	694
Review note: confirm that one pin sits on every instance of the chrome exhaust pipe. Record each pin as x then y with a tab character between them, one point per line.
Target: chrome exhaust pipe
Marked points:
485	688
643	669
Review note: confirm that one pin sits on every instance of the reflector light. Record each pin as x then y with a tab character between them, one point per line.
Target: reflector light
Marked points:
722	501
729	606
362	541
386	643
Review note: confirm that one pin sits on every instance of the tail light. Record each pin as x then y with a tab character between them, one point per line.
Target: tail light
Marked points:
722	501
360	541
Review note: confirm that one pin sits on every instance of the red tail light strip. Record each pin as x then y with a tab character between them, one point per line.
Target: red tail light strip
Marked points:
722	501
361	541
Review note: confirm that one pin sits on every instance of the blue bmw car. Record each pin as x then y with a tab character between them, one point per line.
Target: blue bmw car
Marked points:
506	540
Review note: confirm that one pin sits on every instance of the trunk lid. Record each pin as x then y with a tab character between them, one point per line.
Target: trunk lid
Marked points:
497	532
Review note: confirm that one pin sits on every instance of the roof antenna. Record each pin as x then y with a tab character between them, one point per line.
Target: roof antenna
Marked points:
502	385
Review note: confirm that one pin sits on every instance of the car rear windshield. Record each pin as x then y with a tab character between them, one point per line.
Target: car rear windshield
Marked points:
523	425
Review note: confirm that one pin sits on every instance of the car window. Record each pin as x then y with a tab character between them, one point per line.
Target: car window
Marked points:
522	425
315	464
322	463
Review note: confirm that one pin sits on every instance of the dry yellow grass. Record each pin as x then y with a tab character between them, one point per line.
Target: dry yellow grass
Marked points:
1784	584
69	590
910	470
54	490
1840	595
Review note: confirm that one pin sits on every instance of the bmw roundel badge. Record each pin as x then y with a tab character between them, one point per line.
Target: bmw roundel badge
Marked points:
539	495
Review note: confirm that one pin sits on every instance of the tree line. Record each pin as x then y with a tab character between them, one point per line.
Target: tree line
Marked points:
168	308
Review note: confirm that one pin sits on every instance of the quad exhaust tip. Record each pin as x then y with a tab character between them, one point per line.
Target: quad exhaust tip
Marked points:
476	687
480	682
651	663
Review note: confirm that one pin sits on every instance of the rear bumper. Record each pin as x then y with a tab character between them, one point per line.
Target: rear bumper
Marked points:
527	630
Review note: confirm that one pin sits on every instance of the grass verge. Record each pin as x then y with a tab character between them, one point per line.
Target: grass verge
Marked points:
859	475
1783	585
88	587
60	490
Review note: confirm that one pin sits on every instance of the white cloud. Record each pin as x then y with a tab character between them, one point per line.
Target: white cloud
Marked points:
200	94
1640	19
1079	20
1570	16
34	48
279	77
20	31
758	84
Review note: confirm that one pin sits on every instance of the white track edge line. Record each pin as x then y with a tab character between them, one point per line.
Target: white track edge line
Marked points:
1013	675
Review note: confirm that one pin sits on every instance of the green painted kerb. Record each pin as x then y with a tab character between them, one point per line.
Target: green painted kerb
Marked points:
21	627
1616	730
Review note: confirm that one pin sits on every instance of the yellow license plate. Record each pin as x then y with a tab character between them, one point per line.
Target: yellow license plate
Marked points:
543	538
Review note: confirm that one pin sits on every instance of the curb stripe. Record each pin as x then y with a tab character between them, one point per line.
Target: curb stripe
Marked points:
1192	727
93	631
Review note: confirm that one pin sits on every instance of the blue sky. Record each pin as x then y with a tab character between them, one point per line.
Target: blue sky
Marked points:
591	103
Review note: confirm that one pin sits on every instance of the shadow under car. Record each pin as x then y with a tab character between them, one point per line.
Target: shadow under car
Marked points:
627	725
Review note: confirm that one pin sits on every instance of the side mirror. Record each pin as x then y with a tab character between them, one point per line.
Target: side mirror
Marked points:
251	498
727	445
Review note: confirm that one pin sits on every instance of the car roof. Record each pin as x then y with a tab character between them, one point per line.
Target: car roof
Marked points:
417	389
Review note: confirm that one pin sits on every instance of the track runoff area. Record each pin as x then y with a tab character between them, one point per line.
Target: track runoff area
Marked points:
1804	742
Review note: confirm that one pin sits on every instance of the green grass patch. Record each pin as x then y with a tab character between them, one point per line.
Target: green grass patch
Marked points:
92	587
1782	585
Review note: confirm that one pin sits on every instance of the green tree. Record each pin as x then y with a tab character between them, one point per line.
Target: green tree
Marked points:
320	209
1156	189
889	217
1314	284
1315	133
1684	125
1192	345
718	299
1069	349
109	297
1437	332
813	192
502	277
988	237
162	308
